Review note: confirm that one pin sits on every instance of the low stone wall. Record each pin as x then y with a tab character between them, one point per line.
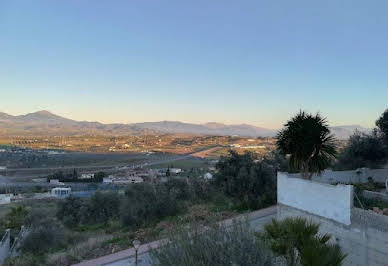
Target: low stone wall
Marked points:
365	241
333	202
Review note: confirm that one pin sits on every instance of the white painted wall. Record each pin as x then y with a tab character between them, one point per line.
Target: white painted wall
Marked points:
329	201
5	198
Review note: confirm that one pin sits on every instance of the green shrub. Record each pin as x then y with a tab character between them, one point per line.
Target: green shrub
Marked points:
101	207
25	259
43	233
216	245
179	187
15	218
252	182
202	189
363	150
145	203
71	211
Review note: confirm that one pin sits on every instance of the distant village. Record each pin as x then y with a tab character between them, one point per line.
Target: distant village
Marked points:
60	185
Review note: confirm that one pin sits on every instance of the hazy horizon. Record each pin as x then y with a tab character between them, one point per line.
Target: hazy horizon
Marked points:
113	122
248	62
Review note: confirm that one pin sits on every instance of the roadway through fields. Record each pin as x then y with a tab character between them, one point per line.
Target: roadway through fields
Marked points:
9	180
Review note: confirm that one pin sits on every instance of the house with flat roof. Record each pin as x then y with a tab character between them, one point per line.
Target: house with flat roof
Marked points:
61	192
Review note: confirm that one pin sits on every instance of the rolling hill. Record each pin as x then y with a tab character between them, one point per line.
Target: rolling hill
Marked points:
46	123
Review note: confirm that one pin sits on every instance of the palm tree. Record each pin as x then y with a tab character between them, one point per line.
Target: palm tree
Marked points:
307	139
300	243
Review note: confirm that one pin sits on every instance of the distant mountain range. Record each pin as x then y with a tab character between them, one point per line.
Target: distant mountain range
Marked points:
46	123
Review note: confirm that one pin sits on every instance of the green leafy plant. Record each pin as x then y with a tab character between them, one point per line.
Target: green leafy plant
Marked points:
382	125
308	141
299	242
15	218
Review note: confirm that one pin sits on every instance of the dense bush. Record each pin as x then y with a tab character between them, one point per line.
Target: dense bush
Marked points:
201	189
23	260
382	126
46	236
145	203
99	208
300	243
179	187
102	206
243	177
215	245
15	218
71	210
43	233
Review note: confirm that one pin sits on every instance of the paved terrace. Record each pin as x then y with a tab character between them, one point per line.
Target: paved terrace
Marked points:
256	219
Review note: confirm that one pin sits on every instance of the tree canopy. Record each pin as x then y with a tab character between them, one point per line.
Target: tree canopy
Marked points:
382	125
245	178
308	141
362	150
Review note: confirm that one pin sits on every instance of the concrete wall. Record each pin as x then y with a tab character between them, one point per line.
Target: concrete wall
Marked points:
329	201
365	241
5	246
5	198
351	177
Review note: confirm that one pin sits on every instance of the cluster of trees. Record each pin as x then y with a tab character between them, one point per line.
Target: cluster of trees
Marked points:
141	203
366	150
99	208
43	232
247	179
145	203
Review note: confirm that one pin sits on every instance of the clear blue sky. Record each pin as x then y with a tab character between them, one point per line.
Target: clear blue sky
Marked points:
255	62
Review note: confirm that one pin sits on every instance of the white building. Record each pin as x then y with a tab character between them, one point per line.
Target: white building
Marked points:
175	170
61	192
87	176
3	167
107	180
208	176
56	182
5	198
254	147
